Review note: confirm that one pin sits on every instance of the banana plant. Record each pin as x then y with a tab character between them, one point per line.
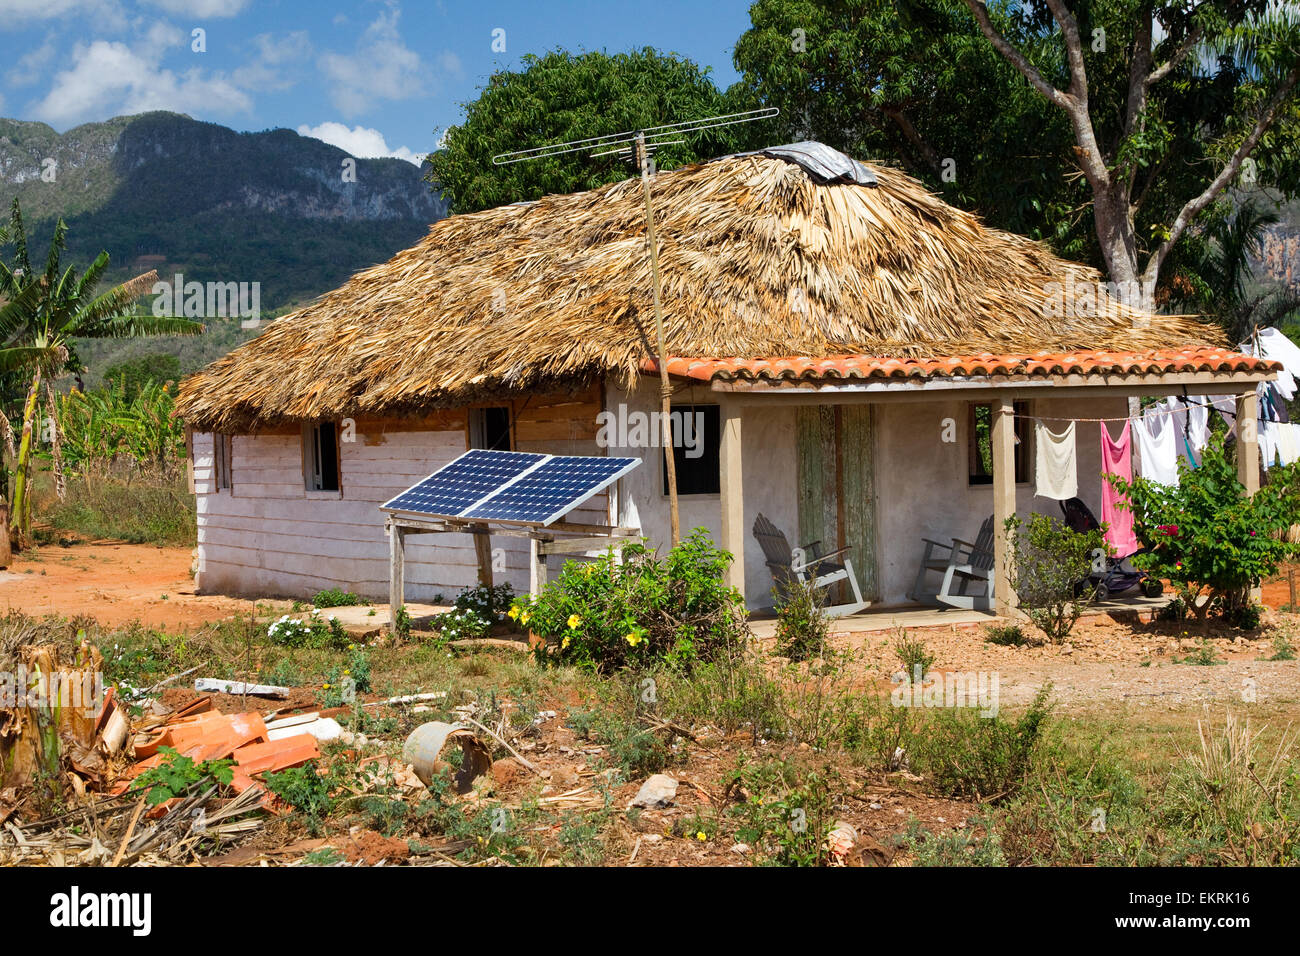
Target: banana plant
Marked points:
40	341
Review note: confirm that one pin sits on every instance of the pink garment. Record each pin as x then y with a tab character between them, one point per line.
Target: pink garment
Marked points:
1117	459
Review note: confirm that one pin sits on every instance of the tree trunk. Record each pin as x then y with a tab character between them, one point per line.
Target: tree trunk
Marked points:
21	505
6	553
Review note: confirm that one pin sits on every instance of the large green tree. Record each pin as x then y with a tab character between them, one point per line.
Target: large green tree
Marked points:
1168	105
1111	128
565	96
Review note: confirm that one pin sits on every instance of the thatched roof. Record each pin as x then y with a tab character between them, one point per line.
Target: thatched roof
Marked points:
758	258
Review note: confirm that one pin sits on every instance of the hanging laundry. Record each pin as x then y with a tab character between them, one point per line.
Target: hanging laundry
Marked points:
1117	459
1226	406
1267	434
1277	347
1287	447
1159	457
1198	430
1056	472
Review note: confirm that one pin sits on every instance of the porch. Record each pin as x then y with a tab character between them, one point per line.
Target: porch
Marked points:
911	440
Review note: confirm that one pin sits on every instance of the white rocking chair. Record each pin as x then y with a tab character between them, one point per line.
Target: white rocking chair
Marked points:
786	563
961	564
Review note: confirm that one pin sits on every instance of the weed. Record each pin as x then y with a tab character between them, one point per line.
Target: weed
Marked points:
801	621
176	774
336	597
1006	635
913	654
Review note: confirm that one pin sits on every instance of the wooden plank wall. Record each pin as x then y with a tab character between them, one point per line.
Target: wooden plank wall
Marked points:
268	536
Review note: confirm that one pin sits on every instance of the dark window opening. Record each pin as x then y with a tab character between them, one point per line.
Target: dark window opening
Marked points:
321	464
697	433
980	432
221	454
490	428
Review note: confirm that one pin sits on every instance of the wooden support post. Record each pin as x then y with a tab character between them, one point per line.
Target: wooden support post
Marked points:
1248	441
1004	502
396	573
733	495
1248	452
536	567
483	549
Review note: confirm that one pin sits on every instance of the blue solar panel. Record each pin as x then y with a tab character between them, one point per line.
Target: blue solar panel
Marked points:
470	478
551	489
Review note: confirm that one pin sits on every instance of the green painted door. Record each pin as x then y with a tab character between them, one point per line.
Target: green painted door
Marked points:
837	495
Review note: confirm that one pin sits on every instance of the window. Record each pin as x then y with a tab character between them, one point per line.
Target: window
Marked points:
980	438
697	433
222	446
490	428
320	446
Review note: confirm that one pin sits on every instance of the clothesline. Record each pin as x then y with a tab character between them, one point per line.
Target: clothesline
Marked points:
1152	413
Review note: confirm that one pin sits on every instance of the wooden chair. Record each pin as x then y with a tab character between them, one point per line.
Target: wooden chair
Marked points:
972	563
960	563
786	563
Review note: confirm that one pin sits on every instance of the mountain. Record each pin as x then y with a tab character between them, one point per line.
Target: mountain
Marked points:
1279	254
164	191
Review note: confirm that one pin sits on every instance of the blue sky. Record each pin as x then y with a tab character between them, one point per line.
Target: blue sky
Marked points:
376	77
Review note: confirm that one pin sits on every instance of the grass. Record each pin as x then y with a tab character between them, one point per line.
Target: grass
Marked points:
142	511
789	749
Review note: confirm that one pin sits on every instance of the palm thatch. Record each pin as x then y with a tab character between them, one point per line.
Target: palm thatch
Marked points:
757	258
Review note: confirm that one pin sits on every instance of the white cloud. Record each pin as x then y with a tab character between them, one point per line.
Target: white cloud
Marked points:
382	68
201	8
274	60
109	79
18	13
359	141
33	66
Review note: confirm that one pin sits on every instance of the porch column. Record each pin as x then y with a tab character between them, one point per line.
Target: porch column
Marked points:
1248	440
1004	501
732	495
396	573
1248	451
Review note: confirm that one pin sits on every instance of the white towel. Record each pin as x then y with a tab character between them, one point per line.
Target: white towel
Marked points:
1155	434
1288	449
1198	427
1055	472
1267	434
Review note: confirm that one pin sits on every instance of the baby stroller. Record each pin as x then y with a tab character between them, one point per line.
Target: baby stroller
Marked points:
1109	575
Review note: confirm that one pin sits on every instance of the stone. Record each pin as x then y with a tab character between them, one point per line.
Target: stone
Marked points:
658	791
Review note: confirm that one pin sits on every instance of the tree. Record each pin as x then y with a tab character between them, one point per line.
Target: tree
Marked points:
1166	103
914	81
565	96
57	306
1218	277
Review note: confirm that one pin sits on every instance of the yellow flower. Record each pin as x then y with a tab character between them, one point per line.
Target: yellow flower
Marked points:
700	836
574	621
523	618
513	613
346	672
324	686
564	643
633	638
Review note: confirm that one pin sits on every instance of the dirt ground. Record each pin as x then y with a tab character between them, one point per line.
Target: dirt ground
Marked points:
114	583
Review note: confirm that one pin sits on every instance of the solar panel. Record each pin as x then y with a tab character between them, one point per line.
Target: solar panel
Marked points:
469	479
552	489
510	486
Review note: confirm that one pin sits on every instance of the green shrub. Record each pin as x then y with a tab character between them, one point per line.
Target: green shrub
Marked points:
336	597
1207	536
801	621
1048	562
306	789
1006	635
979	758
913	654
785	813
603	615
315	631
176	774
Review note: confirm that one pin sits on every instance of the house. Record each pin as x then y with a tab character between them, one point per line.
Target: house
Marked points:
866	361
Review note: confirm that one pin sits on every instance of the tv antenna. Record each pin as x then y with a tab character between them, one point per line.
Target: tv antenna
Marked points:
638	146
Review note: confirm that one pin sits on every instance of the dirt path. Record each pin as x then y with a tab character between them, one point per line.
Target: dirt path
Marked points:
114	583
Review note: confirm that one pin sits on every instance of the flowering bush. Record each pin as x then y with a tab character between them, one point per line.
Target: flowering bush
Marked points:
603	615
1207	536
315	631
474	612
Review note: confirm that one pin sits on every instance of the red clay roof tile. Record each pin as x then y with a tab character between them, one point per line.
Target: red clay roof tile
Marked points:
1037	364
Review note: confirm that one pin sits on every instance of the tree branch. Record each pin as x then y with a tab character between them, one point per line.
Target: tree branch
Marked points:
1017	59
1194	206
1073	51
914	137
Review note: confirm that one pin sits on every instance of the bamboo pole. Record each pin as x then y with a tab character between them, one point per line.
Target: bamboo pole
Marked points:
665	386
